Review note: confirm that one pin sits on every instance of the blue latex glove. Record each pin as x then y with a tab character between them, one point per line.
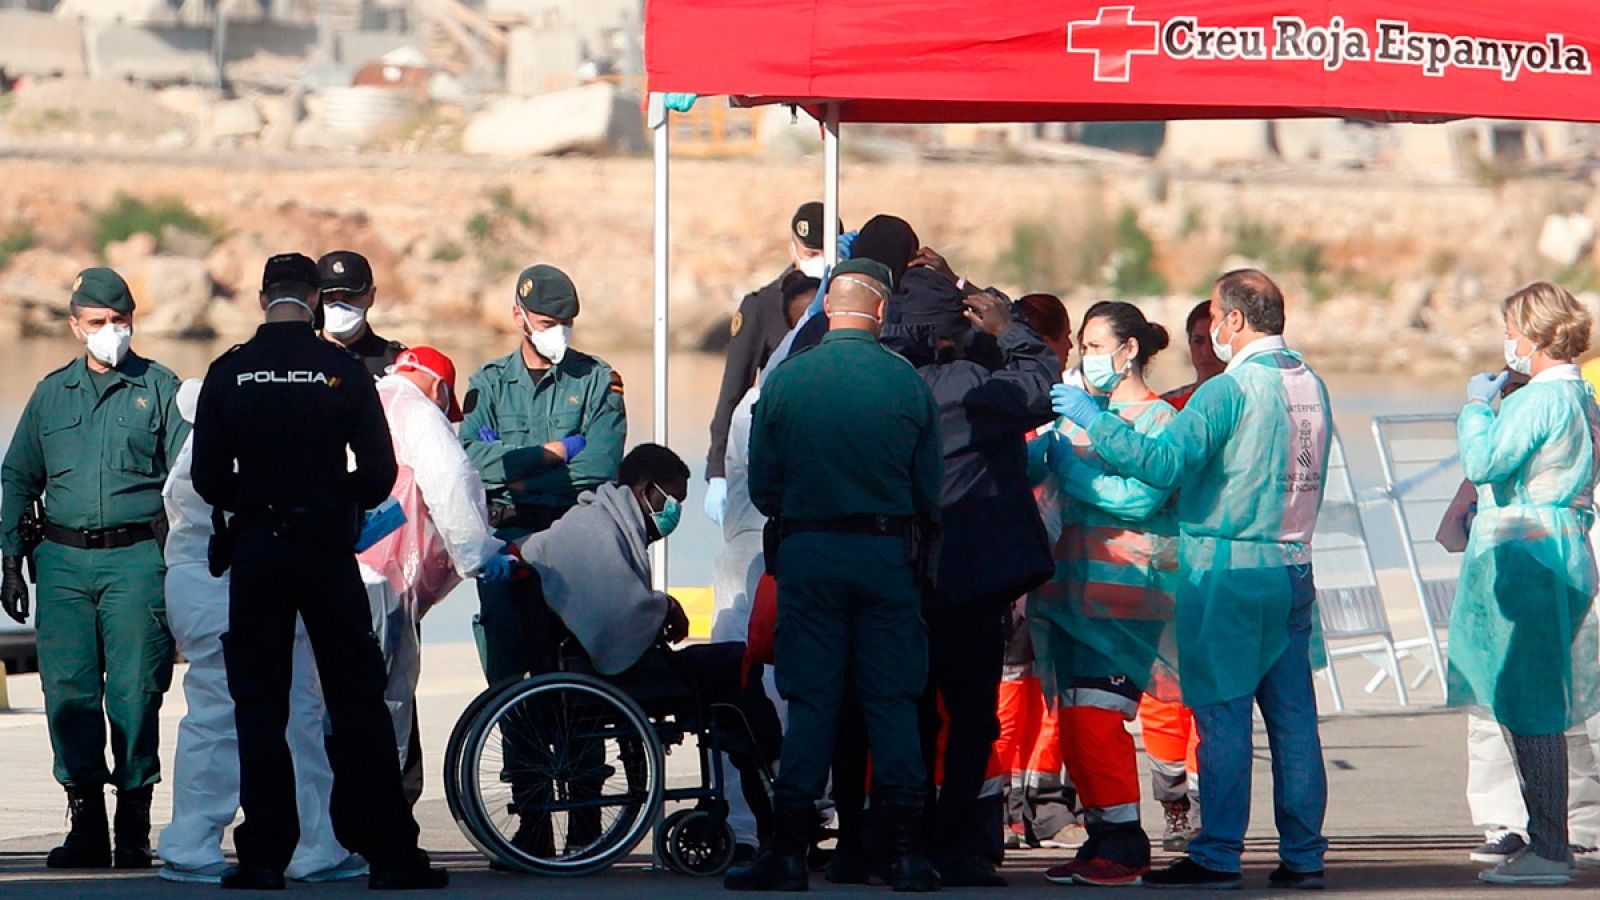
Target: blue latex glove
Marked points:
496	568
716	499
1484	387
680	102
815	307
488	435
1075	404
847	242
573	444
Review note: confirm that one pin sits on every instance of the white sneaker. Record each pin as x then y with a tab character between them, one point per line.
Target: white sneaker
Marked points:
1529	868
351	867
211	874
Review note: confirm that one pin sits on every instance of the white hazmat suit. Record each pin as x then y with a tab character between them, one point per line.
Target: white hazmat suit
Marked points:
446	538
205	777
737	569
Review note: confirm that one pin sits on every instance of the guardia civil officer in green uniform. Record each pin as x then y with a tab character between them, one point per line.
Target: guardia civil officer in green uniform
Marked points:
543	424
95	443
845	453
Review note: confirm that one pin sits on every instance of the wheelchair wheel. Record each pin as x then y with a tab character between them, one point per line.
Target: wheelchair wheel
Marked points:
453	751
559	775
690	845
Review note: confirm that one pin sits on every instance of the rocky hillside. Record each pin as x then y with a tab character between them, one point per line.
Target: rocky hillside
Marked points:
1382	272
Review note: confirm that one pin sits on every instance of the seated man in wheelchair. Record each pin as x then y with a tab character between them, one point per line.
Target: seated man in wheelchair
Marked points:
593	574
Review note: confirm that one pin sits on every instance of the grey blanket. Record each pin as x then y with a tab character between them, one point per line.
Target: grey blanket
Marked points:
595	569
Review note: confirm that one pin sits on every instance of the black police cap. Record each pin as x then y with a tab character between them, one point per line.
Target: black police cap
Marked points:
344	271
289	268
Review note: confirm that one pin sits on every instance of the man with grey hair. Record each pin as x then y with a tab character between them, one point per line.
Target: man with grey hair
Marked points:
1249	454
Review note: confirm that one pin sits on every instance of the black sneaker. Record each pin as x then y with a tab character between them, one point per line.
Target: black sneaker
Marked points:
1188	874
1499	850
1288	879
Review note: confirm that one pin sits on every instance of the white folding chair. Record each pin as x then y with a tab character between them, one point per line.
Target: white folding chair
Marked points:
1349	602
1421	474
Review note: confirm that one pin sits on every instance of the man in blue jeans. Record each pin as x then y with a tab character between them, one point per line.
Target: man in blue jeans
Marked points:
1249	453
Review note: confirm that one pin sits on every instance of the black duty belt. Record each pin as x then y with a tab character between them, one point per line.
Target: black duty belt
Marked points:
885	526
99	538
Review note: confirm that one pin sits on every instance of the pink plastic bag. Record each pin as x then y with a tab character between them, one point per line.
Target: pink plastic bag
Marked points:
413	559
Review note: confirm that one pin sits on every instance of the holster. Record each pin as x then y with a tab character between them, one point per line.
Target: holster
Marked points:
219	551
162	528
924	542
31	530
771	537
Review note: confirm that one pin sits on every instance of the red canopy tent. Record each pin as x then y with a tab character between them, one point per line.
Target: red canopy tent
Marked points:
1081	60
1050	60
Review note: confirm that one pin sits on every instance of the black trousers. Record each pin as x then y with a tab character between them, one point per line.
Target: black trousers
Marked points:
273	580
966	652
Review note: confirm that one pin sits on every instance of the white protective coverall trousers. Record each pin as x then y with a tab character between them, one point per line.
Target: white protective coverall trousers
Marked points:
735	572
446	538
1495	797
205	771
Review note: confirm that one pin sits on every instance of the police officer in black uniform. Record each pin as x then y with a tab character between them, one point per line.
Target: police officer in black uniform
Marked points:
348	293
758	327
285	407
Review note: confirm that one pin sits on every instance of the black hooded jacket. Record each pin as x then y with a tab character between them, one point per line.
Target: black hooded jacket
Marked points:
994	546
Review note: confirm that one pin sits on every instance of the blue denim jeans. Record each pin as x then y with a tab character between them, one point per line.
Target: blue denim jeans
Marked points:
1299	783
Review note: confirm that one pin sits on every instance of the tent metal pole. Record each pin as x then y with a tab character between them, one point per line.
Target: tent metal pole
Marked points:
830	184
657	119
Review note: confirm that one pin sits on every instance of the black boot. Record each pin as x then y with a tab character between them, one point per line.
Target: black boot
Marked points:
849	862
88	844
413	873
781	864
251	878
132	829
909	869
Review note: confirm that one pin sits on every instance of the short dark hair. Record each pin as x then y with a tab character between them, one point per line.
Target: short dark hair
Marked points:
1202	310
1127	321
1047	314
649	464
1251	292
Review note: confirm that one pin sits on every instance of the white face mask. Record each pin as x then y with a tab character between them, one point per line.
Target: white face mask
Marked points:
110	343
1223	351
343	320
813	266
1522	365
296	301
550	343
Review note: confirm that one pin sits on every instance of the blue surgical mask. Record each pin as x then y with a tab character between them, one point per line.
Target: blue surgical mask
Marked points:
1101	373
666	518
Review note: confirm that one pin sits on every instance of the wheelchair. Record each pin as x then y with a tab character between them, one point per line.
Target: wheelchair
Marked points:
563	773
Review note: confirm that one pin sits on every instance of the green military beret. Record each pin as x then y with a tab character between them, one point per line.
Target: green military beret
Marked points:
548	291
868	267
102	287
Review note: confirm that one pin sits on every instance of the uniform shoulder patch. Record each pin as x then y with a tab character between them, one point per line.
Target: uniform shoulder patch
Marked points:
469	402
616	382
736	324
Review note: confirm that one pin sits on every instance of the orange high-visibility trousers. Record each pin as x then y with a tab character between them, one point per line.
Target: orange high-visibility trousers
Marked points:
1100	758
1169	732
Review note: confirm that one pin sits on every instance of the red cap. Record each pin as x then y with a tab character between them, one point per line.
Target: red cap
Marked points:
431	361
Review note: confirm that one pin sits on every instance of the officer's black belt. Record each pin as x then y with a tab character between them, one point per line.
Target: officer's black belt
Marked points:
885	526
99	538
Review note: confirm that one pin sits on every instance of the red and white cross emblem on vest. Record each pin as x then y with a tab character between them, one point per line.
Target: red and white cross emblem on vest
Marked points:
1114	38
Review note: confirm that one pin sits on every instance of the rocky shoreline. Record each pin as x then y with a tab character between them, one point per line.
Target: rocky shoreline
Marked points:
1383	273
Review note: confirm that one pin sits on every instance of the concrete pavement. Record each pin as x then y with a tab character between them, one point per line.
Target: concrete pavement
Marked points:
1397	817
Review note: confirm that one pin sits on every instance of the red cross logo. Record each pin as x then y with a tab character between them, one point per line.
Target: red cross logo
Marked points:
1114	38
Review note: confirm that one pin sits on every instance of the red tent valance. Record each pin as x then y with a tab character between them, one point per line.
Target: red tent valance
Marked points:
1049	60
